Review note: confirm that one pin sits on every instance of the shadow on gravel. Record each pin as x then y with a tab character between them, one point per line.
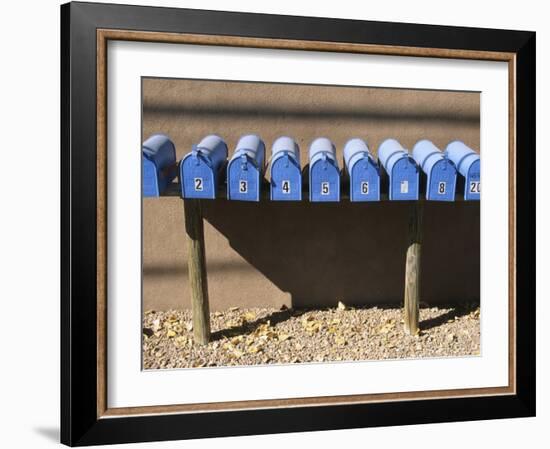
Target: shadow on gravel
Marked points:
283	315
251	326
455	312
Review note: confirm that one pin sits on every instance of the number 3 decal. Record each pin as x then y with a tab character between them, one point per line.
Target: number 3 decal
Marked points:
243	186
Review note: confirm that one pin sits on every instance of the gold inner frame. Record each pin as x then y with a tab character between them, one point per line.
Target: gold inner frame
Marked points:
104	35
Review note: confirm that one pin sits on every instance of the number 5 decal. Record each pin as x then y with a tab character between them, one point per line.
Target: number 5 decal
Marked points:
325	189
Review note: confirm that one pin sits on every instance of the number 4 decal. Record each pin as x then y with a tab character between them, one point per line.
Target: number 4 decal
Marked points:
285	186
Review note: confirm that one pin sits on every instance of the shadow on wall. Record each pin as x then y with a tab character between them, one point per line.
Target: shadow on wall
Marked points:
354	253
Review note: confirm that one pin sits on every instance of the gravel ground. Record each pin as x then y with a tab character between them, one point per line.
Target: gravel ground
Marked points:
267	336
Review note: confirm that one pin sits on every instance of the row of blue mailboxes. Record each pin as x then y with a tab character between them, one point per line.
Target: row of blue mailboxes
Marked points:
201	170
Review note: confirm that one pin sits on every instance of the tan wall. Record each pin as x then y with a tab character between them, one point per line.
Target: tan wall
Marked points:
305	254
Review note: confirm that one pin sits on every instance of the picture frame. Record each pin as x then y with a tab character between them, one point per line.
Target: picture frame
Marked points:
86	28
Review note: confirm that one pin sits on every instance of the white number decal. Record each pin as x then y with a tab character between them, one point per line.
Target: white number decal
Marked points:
404	186
475	187
285	186
243	186
364	188
325	189
441	188
198	184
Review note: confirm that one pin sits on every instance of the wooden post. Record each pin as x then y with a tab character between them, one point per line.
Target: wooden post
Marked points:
413	269
194	228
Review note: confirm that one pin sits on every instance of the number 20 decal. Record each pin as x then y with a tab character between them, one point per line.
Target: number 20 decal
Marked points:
475	187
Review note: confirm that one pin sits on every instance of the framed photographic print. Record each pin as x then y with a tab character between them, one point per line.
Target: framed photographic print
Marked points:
275	224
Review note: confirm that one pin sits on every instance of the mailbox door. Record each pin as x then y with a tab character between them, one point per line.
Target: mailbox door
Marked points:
286	180
149	178
473	183
364	181
243	181
404	180
441	182
324	182
198	180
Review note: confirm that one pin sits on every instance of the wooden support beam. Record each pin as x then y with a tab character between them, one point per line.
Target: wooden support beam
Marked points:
413	269
194	229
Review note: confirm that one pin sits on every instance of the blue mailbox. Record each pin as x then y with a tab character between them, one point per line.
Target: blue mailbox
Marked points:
286	174
440	171
158	162
245	169
467	163
364	174
402	170
200	169
324	173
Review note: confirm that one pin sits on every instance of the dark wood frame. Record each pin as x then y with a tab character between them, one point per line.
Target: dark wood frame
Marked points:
86	28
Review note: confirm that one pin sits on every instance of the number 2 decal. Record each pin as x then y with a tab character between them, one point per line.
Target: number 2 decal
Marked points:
475	187
198	184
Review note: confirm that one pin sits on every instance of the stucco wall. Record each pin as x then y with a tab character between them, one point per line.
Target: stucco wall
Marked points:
305	254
